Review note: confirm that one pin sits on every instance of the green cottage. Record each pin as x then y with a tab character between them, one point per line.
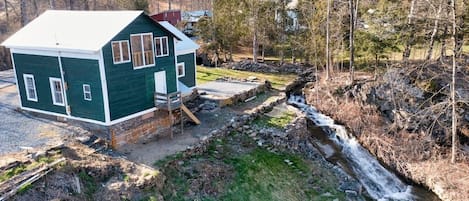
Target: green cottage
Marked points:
100	67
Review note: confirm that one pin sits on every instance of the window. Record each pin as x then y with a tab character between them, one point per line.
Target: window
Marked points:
161	45
181	70
30	86
87	92
143	54
57	91
120	51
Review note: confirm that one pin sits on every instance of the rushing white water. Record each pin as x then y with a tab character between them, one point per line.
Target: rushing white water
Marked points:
380	183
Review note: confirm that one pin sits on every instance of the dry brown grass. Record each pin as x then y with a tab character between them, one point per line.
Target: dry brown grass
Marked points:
414	155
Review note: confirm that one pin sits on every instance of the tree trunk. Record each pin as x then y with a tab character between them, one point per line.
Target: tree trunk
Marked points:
263	53
86	5
352	51
410	40
6	11
328	56
255	42
52	4
453	87
23	11
434	32
443	44
35	7
461	26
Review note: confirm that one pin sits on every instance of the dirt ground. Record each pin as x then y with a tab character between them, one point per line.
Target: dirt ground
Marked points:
151	152
23	131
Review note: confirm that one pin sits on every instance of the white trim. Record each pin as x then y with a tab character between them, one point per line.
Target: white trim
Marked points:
195	68
131	116
143	50
65	116
54	53
175	65
102	74
87	92
93	121
161	46
52	81
16	78
64	84
121	52
183	52
25	76
183	69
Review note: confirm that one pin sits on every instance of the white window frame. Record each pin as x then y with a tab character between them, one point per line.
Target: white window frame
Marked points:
183	69
28	95
143	49
121	52
161	46
52	90
87	92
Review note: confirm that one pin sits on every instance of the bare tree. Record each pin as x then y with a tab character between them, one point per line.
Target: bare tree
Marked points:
435	30
352	51
24	13
411	27
453	86
328	56
6	11
52	4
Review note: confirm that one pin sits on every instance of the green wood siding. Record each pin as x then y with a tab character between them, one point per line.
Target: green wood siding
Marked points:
79	72
131	91
42	67
189	63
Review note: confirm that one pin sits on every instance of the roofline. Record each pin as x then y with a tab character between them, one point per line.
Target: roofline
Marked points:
162	27
52	49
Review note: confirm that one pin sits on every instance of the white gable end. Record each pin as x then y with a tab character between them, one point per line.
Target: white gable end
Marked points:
80	31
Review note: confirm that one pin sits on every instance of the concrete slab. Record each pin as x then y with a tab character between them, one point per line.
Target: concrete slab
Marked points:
226	92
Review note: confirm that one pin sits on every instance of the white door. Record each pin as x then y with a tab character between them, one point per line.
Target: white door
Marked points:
160	82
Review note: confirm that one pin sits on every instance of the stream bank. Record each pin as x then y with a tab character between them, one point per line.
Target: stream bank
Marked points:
413	155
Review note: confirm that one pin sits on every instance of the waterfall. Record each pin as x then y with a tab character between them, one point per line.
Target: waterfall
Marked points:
380	183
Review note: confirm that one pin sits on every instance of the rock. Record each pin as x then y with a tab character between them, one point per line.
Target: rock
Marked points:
36	156
181	163
253	134
83	139
288	162
350	192
252	78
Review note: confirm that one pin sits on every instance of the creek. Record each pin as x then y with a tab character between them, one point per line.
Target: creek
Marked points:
342	149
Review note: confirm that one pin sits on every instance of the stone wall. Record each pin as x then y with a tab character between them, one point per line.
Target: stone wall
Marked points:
140	129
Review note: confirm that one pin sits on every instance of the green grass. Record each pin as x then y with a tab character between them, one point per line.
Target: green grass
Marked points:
205	74
257	174
24	188
12	172
277	122
89	183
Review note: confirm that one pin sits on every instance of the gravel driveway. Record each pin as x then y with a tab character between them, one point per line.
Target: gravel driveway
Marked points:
21	130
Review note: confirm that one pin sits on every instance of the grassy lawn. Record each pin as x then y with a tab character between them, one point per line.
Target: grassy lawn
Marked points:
205	74
279	122
235	168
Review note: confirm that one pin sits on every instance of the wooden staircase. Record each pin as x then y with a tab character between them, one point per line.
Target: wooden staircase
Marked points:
171	102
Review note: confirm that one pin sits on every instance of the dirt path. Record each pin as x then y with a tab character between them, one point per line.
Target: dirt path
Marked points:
159	149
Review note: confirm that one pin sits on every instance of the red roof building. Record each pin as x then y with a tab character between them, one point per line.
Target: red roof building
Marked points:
172	16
